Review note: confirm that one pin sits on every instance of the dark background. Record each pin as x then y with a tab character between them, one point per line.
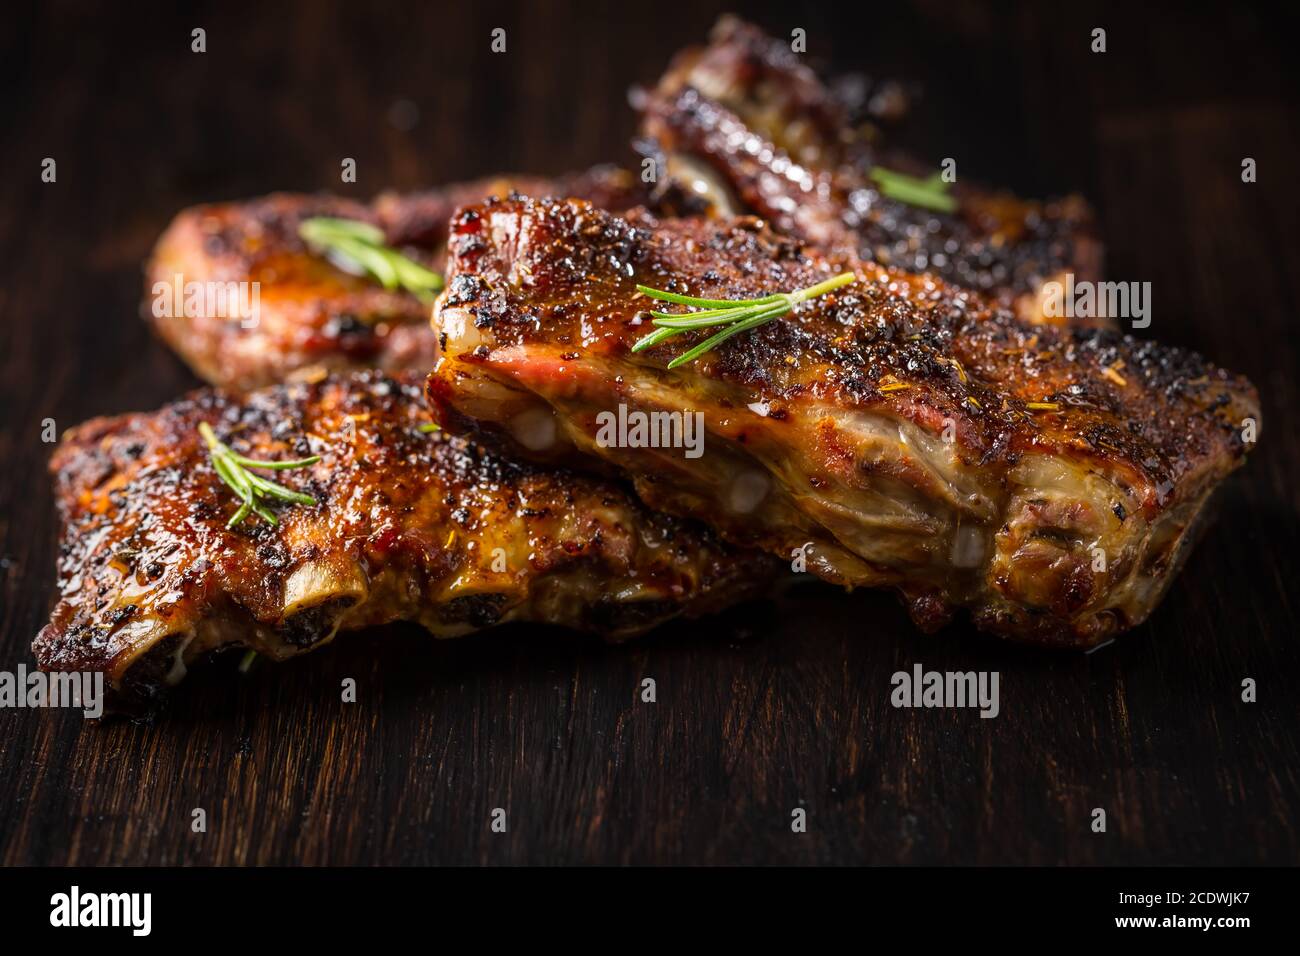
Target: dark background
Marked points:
779	705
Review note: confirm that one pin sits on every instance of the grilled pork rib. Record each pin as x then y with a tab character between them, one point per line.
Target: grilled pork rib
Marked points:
897	432
409	526
746	113
310	314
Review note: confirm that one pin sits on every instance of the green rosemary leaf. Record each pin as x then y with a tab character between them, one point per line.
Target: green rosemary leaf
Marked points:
709	344
704	303
360	247
929	193
252	489
734	316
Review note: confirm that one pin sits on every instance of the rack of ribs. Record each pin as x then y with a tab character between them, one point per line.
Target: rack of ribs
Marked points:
312	315
746	122
408	526
897	432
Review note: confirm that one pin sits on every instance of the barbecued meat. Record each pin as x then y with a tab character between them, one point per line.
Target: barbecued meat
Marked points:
773	91
408	526
420	218
745	122
310	314
897	432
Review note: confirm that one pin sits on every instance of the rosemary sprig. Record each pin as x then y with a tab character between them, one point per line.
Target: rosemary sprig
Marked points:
252	489
735	315
359	247
929	193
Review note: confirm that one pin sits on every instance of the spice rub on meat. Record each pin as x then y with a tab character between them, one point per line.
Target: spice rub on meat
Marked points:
408	526
747	123
897	432
310	314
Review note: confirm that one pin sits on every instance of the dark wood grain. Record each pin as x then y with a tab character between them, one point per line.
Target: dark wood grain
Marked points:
770	707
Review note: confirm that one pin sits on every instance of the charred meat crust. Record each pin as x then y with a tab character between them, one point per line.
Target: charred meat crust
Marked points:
311	315
408	526
420	218
921	396
771	89
774	133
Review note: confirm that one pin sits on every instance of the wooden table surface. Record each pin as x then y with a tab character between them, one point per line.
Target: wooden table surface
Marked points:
774	706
